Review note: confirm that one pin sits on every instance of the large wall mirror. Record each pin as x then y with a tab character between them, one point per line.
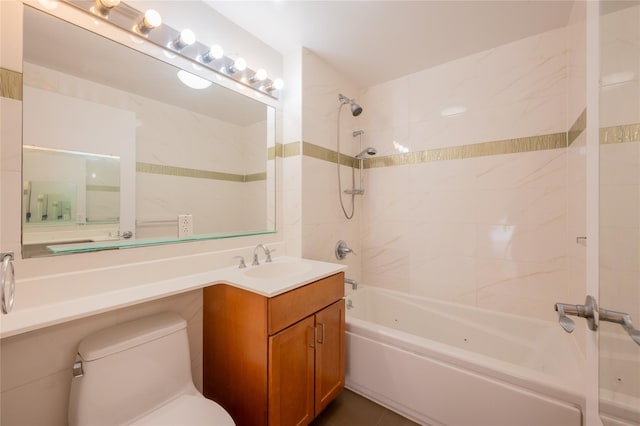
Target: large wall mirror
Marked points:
118	151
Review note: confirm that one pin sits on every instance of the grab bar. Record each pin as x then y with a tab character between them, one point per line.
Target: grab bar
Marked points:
7	265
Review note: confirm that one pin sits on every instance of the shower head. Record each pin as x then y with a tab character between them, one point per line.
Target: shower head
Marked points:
369	152
356	109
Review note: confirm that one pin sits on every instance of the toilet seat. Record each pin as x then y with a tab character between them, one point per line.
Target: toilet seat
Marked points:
187	410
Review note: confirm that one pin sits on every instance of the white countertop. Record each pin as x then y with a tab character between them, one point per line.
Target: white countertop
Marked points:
54	299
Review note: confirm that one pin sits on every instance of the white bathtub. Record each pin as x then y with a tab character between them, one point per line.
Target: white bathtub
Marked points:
619	377
446	364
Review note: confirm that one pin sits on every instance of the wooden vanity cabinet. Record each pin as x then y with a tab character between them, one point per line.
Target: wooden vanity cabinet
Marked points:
274	361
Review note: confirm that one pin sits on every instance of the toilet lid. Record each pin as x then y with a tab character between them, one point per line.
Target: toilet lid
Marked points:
188	410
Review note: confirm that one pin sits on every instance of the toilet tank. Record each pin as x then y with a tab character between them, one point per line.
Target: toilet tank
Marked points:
131	369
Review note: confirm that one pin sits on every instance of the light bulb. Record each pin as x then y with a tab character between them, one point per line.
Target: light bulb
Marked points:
260	75
150	20
103	7
215	52
240	64
48	4
186	38
278	84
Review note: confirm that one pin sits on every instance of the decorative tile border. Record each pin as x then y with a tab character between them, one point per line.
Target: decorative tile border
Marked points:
103	188
620	134
608	135
10	84
274	151
161	169
578	127
255	177
506	146
291	149
326	154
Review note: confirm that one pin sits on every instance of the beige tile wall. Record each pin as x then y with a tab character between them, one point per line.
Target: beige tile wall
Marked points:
460	217
323	222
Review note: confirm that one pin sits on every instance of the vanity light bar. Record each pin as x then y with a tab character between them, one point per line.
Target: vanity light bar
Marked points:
149	25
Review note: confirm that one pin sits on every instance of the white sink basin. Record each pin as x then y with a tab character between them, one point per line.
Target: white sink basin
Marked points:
277	270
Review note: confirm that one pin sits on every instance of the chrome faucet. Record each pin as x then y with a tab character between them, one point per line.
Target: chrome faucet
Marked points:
267	252
353	283
242	265
342	250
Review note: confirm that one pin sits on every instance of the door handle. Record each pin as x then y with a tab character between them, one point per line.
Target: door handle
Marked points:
624	320
588	311
322	334
585	311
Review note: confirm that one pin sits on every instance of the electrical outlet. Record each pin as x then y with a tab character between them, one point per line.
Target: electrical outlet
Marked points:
185	225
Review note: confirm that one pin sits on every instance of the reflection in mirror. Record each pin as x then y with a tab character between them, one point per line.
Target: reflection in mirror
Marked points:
619	369
207	153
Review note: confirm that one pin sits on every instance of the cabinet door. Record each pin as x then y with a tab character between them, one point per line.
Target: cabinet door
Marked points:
329	354
291	360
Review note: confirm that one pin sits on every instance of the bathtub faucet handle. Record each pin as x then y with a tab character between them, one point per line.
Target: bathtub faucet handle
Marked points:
342	250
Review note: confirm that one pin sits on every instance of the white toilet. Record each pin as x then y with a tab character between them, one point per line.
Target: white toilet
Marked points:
139	373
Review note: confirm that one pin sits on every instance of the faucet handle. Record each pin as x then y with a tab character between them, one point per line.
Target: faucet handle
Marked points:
342	250
268	253
566	323
242	264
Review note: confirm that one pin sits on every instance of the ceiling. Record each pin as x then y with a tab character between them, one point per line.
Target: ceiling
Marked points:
371	42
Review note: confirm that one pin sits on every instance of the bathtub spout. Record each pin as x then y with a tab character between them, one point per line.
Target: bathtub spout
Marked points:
352	283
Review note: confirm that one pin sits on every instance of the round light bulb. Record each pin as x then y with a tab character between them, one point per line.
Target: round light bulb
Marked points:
187	37
216	52
152	19
240	64
260	75
48	4
278	84
109	3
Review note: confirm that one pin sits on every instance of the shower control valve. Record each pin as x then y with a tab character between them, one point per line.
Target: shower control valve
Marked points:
342	250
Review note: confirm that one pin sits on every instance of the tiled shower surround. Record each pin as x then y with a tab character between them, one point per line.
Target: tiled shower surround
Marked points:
470	208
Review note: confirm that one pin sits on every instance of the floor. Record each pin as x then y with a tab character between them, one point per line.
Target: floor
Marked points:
350	409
